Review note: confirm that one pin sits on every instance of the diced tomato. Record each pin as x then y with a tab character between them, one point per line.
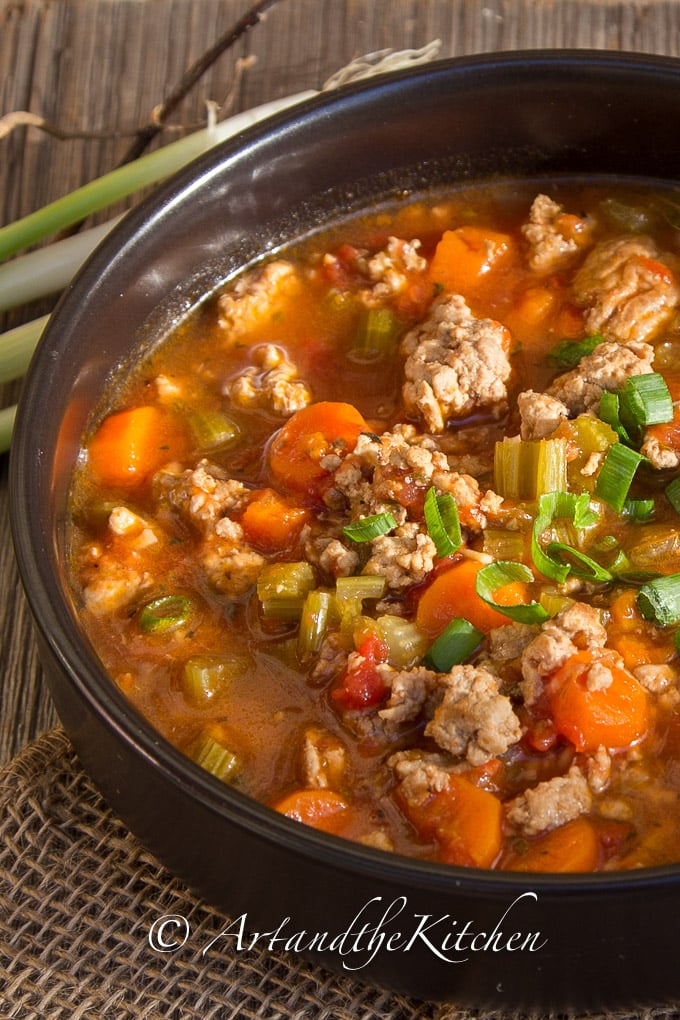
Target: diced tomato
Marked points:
361	685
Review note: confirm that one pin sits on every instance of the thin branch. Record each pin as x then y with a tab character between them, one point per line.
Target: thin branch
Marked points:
146	134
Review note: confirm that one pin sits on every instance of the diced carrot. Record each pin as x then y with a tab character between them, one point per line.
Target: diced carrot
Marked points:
615	715
130	446
463	258
271	522
307	437
453	594
322	809
465	821
572	847
637	650
531	311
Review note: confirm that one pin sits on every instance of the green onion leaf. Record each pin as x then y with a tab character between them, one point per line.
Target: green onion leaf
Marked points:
496	575
568	353
454	645
610	414
616	474
659	600
552	506
164	614
443	525
672	493
638	509
368	528
649	399
580	565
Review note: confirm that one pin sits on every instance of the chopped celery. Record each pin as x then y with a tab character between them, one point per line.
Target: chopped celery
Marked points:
503	545
527	468
360	587
313	622
204	676
213	430
283	587
405	642
378	333
553	602
213	756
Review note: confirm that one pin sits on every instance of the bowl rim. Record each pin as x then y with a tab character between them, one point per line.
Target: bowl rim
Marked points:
34	546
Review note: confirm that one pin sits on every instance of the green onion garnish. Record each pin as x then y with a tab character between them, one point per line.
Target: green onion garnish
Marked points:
610	413
579	564
164	614
672	493
496	575
616	474
568	353
453	646
556	505
368	528
638	509
659	600
443	525
649	399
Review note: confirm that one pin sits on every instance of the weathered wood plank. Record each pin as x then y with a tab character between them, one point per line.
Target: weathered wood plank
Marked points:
102	66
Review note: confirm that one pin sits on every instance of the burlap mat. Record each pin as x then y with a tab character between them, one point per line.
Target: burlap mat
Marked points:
79	896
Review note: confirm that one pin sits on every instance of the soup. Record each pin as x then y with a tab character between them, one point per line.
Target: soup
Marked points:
385	534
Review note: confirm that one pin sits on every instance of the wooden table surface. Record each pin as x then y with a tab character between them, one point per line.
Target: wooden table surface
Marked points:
99	67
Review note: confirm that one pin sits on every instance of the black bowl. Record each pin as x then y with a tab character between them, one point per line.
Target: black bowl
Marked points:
476	938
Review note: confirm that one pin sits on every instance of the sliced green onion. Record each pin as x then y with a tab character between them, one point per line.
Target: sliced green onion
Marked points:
616	475
568	353
213	430
17	346
378	334
443	524
526	468
638	509
610	413
580	565
214	757
672	493
313	623
164	614
659	600
283	587
649	399
454	645
496	575
368	528
558	505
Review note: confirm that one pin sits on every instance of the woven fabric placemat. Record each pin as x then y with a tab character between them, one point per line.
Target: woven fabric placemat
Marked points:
79	896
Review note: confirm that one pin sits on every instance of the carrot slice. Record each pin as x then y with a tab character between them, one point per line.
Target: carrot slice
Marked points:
129	446
322	809
453	594
463	257
271	522
572	847
465	821
309	435
590	715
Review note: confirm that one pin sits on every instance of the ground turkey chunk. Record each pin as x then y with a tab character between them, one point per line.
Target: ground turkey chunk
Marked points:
606	368
231	566
555	237
575	627
271	381
455	365
540	414
404	557
551	803
257	298
202	494
627	288
474	719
